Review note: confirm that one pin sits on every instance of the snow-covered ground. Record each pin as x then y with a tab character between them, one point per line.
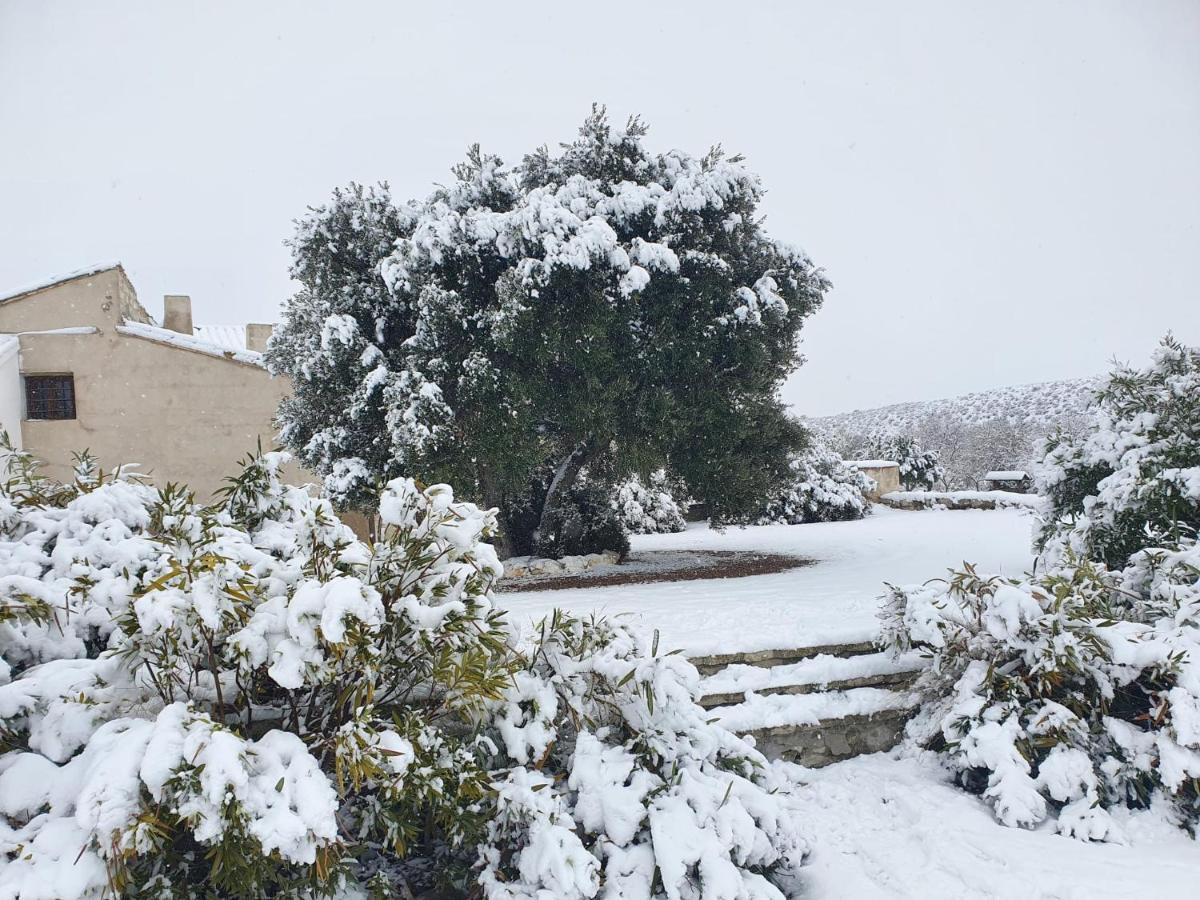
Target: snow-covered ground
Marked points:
832	601
895	827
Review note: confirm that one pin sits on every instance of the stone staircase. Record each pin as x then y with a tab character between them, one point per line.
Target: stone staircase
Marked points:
812	705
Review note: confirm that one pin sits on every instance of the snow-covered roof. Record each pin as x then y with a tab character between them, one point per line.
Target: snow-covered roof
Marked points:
1006	475
187	342
872	463
51	282
229	337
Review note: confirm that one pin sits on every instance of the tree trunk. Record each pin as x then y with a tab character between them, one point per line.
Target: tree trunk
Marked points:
492	499
564	477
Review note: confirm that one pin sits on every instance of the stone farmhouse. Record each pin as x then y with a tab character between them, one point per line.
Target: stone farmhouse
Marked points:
84	366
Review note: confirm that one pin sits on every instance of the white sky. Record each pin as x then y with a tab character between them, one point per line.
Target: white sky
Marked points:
1000	192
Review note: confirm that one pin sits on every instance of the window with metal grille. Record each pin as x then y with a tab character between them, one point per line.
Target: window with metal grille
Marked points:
49	396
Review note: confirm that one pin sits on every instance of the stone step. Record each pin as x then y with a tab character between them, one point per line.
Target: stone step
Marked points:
713	663
897	680
818	728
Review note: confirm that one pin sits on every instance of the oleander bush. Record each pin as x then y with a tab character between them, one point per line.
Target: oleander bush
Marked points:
242	699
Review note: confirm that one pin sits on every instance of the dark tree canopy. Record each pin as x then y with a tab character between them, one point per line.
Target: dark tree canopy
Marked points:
601	308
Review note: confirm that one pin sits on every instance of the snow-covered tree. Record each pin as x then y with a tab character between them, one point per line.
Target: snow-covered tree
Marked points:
1134	477
649	508
243	700
919	468
602	307
822	489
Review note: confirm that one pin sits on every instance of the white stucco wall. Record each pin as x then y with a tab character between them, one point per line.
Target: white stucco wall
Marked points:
11	401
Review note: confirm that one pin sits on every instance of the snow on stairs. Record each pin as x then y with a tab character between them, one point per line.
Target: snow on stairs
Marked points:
812	705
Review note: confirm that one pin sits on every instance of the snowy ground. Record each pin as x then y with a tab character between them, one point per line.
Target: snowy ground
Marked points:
830	602
895	827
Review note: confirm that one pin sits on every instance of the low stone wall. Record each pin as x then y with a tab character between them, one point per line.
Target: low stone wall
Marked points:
537	567
820	745
959	500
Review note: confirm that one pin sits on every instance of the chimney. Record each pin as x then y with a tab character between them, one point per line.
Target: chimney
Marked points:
177	313
257	335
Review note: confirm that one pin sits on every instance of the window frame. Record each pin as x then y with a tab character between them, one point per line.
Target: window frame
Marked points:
50	404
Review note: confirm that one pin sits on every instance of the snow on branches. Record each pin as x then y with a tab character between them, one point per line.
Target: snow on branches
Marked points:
648	508
242	698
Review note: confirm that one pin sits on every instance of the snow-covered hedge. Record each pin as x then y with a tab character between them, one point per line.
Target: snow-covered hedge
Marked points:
823	489
648	508
242	699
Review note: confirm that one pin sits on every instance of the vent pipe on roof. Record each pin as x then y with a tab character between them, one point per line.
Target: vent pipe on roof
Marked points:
177	313
257	335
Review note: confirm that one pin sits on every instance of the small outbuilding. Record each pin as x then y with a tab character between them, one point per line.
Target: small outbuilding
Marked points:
1015	481
884	472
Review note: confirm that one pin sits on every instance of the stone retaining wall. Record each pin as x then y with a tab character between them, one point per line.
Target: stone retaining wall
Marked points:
537	567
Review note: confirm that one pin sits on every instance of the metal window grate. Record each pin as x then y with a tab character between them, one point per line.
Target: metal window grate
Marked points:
50	396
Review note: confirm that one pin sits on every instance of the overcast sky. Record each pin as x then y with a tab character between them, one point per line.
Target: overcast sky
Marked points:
1000	192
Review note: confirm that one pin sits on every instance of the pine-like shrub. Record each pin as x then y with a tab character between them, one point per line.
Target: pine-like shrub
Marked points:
648	508
243	700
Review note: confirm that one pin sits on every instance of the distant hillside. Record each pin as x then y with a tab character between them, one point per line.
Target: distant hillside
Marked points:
1004	428
1038	406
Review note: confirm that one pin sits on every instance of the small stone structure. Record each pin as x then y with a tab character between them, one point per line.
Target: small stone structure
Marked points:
1015	481
884	472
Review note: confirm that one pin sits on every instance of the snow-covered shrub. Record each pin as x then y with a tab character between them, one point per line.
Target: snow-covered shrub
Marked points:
919	468
1078	690
1134	478
648	508
823	489
242	699
1068	694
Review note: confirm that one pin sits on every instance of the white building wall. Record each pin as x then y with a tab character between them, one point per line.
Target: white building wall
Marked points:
11	399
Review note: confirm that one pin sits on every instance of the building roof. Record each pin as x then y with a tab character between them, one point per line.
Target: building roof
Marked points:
872	463
1006	475
186	342
60	279
228	337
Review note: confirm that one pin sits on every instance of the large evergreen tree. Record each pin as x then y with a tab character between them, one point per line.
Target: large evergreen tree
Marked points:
601	307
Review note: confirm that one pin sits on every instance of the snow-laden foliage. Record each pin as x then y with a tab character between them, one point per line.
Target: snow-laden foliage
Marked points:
919	468
243	700
601	304
1068	694
1134	478
1078	690
649	508
822	489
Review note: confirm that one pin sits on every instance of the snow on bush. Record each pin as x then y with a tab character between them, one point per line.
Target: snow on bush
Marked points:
1078	690
243	699
648	508
823	489
1065	695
